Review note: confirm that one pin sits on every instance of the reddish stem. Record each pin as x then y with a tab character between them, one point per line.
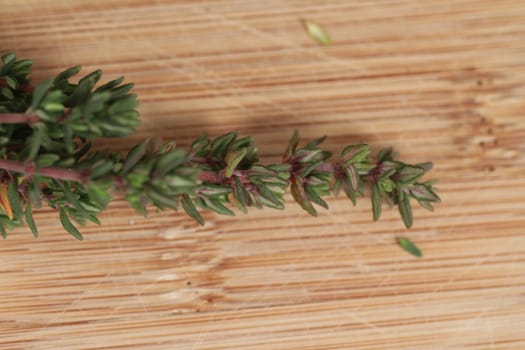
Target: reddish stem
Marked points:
18	118
210	176
56	173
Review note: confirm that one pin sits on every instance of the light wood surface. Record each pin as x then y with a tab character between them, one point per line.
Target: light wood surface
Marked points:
438	80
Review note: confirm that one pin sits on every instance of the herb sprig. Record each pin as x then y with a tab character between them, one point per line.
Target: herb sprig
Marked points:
46	158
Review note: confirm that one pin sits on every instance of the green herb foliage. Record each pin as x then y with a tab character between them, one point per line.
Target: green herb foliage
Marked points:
46	158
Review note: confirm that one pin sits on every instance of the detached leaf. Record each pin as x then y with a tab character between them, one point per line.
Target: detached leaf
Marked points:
316	32
409	246
68	225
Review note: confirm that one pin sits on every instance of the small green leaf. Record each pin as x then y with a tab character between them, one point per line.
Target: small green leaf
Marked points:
14	198
214	191
409	246
376	202
101	168
169	161
240	192
404	208
355	153
68	73
30	221
315	197
190	209
39	92
409	174
7	93
134	156
233	158
314	143
47	159
424	193
219	145
8	58
300	196
68	225
316	32
292	145
217	206
11	82
162	200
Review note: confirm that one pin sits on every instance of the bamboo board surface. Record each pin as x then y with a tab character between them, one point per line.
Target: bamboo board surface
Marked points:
438	80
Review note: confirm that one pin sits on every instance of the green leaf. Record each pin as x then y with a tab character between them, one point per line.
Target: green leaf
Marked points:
190	209
214	191
352	176
314	143
134	156
46	160
14	198
233	158
34	192
220	144
240	192
274	199
170	161
39	92
7	93
68	73
198	147
315	197
355	153
404	208
217	206
409	246
11	82
409	174
424	193
68	225
300	196
349	191
93	218
30	221
376	202
72	198
316	32
110	84
36	140
292	145
161	199
101	168
8	58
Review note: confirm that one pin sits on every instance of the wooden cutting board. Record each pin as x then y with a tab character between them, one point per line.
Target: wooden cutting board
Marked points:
438	80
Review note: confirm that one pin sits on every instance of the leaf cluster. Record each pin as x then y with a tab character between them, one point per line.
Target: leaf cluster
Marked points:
46	158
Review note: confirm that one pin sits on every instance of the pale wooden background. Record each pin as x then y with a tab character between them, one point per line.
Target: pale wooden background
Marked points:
439	80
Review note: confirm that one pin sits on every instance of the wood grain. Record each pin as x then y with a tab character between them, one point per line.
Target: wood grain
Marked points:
438	80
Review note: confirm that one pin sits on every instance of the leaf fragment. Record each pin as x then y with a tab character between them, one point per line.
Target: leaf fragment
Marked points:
316	32
409	246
